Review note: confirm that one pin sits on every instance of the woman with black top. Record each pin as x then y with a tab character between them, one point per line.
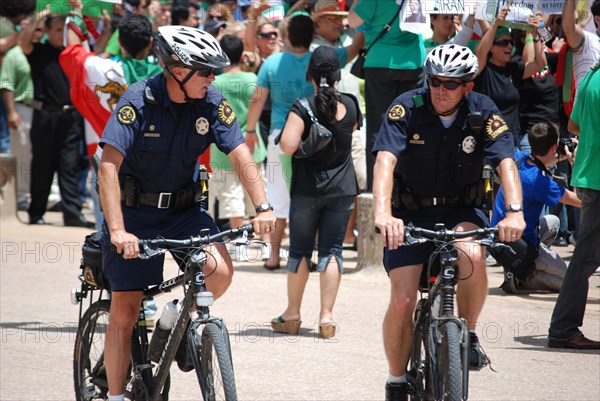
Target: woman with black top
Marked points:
322	192
499	77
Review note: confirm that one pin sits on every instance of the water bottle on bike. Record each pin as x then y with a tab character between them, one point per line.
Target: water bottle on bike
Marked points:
163	329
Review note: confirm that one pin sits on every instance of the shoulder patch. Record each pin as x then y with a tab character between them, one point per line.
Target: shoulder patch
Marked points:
225	113
495	127
397	112
126	115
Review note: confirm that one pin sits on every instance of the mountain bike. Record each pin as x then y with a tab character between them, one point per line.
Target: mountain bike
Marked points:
439	360
209	351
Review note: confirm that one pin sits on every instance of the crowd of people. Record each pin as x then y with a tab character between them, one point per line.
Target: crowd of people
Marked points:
123	89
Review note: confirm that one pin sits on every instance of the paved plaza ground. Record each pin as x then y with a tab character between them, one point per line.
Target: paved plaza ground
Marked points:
37	322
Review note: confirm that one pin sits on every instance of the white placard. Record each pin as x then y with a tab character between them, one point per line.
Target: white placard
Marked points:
413	18
551	6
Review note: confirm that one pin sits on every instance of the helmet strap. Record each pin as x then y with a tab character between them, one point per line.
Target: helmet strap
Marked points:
182	83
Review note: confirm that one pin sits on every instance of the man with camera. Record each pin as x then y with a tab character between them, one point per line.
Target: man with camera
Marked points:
533	265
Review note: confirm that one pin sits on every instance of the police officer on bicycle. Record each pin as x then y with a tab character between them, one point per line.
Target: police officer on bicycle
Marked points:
149	173
429	163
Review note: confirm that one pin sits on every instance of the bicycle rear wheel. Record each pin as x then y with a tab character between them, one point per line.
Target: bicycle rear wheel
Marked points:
449	362
217	367
89	373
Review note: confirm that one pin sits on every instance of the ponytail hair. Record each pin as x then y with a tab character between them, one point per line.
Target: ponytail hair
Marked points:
327	97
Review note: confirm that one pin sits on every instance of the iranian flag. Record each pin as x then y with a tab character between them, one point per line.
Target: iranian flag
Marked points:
96	86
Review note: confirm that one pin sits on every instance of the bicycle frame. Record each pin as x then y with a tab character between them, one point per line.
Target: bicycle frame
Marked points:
438	334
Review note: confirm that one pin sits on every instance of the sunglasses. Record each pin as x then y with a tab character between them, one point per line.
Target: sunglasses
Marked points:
504	42
332	18
205	72
268	35
216	18
450	85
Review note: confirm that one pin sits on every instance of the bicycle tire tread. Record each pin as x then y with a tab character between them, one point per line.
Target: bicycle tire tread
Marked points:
217	339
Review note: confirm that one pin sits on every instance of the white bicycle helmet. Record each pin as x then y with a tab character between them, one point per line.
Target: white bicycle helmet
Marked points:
452	61
189	47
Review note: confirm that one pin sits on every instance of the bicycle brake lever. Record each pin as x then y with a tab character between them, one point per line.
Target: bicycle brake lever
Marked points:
487	242
243	240
147	253
410	240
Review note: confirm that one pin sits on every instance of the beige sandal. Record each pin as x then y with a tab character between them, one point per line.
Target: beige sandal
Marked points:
327	330
286	326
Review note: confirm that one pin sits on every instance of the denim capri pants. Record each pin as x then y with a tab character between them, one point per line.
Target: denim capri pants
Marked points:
327	217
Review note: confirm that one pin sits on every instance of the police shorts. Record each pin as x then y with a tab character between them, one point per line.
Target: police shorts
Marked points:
428	218
147	223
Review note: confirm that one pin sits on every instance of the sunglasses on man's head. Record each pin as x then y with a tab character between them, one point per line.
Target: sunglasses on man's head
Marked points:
450	85
332	18
268	35
205	72
504	42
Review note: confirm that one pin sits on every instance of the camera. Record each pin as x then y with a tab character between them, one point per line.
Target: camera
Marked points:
564	143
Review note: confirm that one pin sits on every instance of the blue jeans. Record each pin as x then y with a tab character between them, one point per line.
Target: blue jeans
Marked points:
570	305
327	217
4	131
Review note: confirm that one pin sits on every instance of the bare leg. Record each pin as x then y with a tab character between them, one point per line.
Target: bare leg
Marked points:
296	282
398	324
124	308
330	281
236	222
349	238
276	237
473	284
218	270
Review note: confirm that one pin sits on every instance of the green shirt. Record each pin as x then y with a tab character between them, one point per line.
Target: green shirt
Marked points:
586	170
15	75
237	88
112	46
137	70
397	49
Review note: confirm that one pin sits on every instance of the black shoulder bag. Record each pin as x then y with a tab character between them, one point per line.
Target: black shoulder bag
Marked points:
318	136
358	68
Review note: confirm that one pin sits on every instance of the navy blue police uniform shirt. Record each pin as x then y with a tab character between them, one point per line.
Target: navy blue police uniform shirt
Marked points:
160	148
434	161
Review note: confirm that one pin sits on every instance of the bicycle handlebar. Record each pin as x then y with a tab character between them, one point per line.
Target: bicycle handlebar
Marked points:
152	247
484	236
448	235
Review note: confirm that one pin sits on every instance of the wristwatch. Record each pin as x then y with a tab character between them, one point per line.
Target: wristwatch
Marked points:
513	207
264	207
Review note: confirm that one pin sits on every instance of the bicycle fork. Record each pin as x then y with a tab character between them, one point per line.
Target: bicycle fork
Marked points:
445	313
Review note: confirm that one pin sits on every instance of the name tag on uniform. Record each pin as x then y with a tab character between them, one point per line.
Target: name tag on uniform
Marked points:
151	135
415	140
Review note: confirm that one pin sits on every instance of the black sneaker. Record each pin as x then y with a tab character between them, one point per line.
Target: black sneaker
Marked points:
510	285
560	241
396	391
477	358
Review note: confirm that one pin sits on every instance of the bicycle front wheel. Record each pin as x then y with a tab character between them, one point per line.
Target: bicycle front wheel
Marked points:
89	373
420	363
449	362
217	367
